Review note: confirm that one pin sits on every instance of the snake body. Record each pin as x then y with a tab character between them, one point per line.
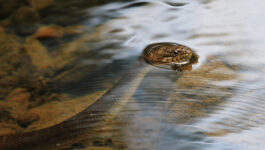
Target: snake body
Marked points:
177	56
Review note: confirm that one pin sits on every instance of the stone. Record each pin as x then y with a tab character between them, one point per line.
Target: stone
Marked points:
50	31
39	55
20	95
25	15
12	59
78	29
2	30
26	119
25	29
40	4
7	7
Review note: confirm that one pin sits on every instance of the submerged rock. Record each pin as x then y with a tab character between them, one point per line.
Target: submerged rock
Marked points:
12	59
7	7
25	82
40	4
78	29
55	31
24	120
39	55
51	31
20	95
25	15
2	30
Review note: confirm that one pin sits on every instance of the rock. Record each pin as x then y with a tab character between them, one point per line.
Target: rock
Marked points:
7	7
39	55
22	21
78	29
51	31
25	15
40	4
12	59
8	44
20	95
2	30
98	143
26	119
5	115
109	142
25	29
55	31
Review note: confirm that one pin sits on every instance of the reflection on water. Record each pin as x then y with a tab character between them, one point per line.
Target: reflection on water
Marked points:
218	105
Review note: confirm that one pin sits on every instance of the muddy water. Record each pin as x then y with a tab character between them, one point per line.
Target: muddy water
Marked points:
218	105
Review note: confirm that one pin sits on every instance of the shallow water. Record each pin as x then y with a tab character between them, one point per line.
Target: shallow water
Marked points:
218	105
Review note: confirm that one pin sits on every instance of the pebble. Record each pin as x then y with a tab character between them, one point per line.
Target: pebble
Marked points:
2	30
39	55
25	15
20	95
77	29
50	31
40	4
24	120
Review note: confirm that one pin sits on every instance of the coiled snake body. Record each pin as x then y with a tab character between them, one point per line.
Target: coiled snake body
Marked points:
165	55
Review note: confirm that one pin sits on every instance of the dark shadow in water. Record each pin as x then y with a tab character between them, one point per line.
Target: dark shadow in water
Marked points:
138	4
175	4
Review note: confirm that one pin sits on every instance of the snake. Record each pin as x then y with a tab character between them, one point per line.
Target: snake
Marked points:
165	55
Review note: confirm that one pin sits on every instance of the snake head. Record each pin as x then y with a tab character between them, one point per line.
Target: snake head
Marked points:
175	54
170	54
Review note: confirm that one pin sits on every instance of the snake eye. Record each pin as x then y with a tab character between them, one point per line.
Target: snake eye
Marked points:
175	52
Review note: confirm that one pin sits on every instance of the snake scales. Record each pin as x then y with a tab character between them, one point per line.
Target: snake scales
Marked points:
165	55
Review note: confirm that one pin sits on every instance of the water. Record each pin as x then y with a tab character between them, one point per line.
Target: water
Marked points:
219	105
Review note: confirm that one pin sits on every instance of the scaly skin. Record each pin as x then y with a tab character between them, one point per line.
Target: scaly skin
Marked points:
178	57
171	56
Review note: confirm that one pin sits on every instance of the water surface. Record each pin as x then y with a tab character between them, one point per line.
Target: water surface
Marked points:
218	105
